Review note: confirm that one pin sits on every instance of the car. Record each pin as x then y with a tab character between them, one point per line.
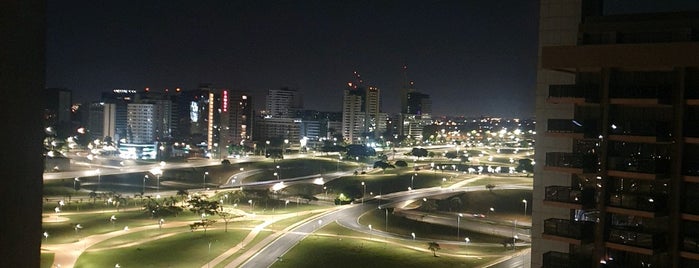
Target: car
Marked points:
478	215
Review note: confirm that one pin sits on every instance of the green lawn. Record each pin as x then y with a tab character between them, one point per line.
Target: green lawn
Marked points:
184	249
348	251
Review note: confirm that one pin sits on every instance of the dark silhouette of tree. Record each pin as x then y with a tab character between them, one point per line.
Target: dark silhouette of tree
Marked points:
204	224
433	246
200	205
419	152
401	163
227	217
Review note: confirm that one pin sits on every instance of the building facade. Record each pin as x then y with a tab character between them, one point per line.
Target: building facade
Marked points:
617	110
361	113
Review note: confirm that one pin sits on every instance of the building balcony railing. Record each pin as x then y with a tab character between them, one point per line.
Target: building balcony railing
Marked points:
569	195
555	259
638	202
580	230
690	168
639	165
691	92
662	93
660	130
586	162
653	241
690	205
590	93
691	127
589	128
690	243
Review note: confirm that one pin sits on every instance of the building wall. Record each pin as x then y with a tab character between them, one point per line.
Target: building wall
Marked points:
558	25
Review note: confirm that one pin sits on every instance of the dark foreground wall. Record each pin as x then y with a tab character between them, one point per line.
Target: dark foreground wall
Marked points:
22	42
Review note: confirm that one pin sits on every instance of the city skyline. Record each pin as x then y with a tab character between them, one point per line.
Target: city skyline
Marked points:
312	46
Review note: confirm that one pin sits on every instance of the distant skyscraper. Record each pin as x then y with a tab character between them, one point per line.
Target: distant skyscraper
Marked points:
617	105
283	103
57	109
101	120
236	118
361	117
120	97
148	121
416	108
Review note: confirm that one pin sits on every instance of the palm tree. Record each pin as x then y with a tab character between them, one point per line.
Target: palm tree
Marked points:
433	246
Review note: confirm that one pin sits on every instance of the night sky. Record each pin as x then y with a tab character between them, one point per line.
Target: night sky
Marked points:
473	57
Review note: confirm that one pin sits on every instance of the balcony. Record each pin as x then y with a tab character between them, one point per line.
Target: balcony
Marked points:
638	204
640	95
634	241
577	94
568	197
691	131
573	232
571	162
690	244
574	128
641	131
638	168
555	259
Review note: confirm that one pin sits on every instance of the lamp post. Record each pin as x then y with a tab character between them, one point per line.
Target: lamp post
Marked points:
492	209
157	172
143	191
99	179
444	180
525	206
266	144
458	225
363	185
203	186
413	235
75	181
251	204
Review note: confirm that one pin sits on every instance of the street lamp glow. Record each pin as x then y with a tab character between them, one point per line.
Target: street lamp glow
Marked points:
413	235
203	186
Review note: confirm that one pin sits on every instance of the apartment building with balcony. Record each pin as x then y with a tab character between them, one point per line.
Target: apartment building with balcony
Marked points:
618	106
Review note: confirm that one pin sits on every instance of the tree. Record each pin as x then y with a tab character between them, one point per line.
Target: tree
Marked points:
419	152
525	165
490	187
359	150
433	246
227	217
199	205
383	165
401	163
451	155
204	224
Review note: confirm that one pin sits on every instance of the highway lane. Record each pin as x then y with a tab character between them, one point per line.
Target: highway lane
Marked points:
348	217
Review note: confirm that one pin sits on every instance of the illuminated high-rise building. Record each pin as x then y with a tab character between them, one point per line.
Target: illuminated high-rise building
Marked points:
617	105
361	113
283	102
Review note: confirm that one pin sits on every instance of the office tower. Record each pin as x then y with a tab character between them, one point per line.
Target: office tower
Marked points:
148	121
101	120
57	110
616	174
361	113
236	118
283	103
120	98
416	108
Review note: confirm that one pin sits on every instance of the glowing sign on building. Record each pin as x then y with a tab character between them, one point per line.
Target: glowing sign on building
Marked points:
194	111
210	132
224	101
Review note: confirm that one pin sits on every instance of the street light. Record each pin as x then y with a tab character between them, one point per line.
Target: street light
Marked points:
204	185
364	185
157	172
492	209
143	191
75	181
413	235
251	204
525	206
99	179
458	225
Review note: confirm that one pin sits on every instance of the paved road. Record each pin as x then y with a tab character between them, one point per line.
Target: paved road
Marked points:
346	216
